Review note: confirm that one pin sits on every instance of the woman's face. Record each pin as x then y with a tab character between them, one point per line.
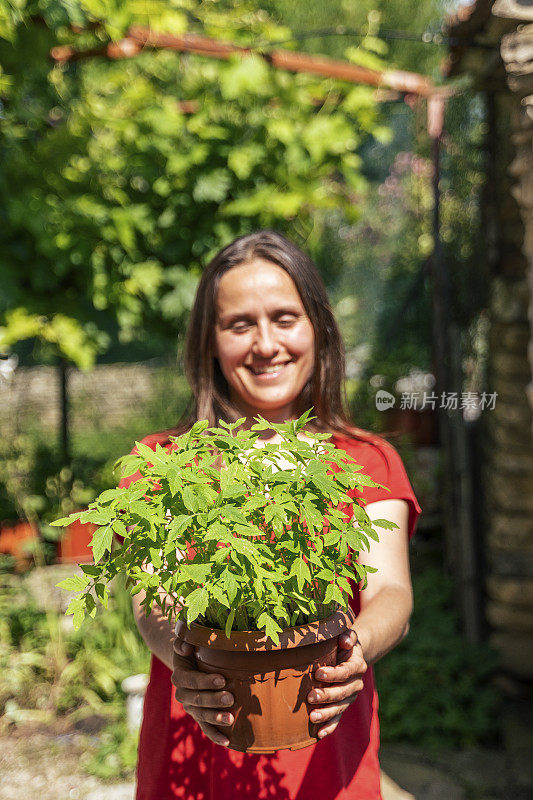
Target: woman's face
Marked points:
264	339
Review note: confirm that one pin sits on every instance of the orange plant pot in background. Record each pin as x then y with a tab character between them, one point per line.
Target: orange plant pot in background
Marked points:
74	545
14	541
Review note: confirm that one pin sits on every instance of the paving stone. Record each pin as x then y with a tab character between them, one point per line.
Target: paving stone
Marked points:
119	791
422	781
391	791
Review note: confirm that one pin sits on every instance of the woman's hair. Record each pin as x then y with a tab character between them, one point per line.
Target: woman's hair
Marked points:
324	391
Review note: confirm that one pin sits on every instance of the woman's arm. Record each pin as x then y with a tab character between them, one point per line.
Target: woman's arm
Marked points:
156	630
387	601
382	622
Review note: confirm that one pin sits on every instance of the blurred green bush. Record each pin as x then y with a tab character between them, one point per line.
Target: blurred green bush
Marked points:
435	690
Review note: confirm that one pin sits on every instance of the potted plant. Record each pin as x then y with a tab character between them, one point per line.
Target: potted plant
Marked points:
255	546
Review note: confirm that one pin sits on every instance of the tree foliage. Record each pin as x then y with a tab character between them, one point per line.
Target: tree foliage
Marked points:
114	194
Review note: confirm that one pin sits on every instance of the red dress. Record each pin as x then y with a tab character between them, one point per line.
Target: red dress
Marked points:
176	760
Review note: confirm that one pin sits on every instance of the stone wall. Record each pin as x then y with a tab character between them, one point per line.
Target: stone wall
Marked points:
104	395
509	544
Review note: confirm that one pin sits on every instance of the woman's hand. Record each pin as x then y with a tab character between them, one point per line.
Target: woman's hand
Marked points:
200	693
344	682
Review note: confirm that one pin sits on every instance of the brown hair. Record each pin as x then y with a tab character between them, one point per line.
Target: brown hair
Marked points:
324	391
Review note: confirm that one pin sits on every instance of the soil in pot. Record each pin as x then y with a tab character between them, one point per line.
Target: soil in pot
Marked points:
270	683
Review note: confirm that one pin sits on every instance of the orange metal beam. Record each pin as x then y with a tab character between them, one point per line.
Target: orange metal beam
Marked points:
140	38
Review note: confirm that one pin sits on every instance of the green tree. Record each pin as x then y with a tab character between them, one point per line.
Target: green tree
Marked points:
113	197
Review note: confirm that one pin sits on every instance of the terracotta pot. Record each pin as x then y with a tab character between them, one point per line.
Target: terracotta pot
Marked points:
270	683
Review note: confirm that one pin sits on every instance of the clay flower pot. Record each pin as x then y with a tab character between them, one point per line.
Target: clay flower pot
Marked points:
270	683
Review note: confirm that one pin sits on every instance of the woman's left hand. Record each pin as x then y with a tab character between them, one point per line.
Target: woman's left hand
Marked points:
340	684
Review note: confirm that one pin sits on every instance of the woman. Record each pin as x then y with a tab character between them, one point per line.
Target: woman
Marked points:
262	339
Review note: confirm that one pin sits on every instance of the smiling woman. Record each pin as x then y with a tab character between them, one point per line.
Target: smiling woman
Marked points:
263	340
256	288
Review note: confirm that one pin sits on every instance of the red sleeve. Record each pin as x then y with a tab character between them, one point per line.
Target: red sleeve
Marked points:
382	462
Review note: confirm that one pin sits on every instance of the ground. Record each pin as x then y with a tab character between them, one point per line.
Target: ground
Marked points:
50	766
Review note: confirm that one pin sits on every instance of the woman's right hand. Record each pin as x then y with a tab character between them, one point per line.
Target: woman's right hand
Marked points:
200	695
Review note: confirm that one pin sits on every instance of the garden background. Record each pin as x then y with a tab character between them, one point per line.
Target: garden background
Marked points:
120	176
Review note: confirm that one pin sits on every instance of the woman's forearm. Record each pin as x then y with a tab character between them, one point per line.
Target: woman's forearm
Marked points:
156	630
383	621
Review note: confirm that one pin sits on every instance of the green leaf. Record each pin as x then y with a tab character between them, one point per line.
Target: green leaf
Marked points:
190	499
64	521
179	524
98	516
300	569
76	583
101	541
91	569
102	592
196	603
232	514
234	490
174	481
119	528
220	595
253	503
313	517
111	494
244	548
230	584
365	480
331	537
229	622
199	427
90	604
333	593
194	572
384	523
76	607
343	583
325	574
158	457
270	626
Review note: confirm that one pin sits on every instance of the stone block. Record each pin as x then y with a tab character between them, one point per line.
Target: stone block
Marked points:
511	391
512	9
509	618
509	299
509	438
513	414
512	366
510	563
511	531
513	336
515	652
510	493
522	463
523	161
523	192
516	592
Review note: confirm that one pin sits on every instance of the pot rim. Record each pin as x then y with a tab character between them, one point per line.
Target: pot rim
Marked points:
301	635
